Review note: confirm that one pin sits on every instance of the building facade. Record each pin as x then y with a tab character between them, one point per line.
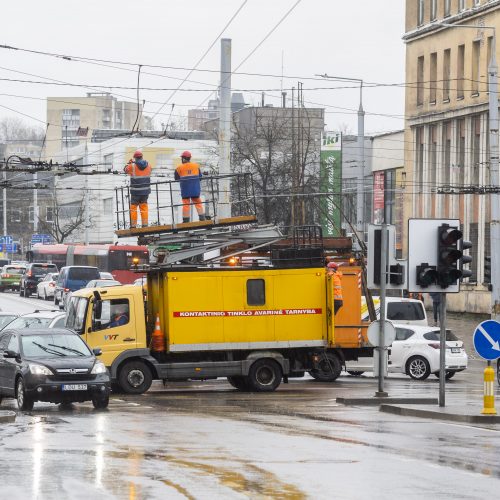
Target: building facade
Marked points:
446	131
66	115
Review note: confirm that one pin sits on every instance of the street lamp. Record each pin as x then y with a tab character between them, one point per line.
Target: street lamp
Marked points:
494	174
360	225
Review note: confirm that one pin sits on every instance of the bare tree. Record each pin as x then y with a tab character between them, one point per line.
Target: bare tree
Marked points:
281	150
15	129
66	219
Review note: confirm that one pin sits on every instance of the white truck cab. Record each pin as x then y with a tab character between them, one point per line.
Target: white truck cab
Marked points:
399	310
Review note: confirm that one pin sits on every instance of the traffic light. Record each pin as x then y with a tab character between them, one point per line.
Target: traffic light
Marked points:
397	274
450	258
426	275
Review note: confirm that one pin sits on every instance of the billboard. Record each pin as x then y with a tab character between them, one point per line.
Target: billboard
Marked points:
331	183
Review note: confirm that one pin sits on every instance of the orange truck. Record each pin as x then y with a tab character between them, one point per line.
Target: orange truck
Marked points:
255	326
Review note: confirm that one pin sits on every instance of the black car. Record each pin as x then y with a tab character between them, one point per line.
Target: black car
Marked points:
35	272
53	365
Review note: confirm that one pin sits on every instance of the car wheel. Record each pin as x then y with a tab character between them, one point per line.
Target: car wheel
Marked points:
328	368
135	377
355	373
45	295
100	402
24	402
265	375
56	302
418	368
20	291
239	382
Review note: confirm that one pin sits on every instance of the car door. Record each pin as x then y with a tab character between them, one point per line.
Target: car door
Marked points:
11	365
4	341
400	349
60	284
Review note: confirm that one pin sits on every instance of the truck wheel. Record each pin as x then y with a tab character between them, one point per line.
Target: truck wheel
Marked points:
264	375
328	369
135	377
239	382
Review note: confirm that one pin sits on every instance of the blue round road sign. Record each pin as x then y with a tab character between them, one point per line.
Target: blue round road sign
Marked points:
487	339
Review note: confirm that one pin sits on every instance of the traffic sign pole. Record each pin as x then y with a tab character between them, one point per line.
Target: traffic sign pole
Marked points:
442	351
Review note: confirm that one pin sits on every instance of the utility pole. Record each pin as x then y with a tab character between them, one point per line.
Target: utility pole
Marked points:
5	210
35	203
224	204
86	199
361	155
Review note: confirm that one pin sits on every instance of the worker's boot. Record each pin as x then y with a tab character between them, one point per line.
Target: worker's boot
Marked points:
201	216
185	219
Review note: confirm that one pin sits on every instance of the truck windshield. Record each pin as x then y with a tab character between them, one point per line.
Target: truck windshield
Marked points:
77	310
405	311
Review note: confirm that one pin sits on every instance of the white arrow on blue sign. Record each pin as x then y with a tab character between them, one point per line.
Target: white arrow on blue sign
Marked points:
487	339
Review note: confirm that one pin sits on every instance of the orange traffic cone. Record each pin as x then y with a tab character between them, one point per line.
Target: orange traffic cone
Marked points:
158	340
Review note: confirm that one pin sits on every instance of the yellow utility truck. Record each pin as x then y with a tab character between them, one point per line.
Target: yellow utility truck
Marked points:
256	326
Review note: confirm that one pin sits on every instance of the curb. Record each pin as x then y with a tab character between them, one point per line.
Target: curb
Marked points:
439	415
380	401
7	416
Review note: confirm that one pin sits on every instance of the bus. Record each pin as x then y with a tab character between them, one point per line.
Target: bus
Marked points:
116	259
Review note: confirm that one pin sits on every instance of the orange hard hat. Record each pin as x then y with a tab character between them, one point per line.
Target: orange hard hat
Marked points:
186	154
332	265
138	154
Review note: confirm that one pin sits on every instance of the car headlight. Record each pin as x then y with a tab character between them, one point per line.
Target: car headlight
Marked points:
98	368
40	370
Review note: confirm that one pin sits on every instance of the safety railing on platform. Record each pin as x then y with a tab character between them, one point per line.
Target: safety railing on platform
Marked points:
167	208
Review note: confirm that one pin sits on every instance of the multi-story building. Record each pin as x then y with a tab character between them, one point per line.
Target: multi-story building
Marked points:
446	132
66	115
198	116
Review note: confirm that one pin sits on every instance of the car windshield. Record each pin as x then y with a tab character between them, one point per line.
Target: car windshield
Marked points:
42	269
405	311
30	322
105	283
14	270
42	346
5	320
435	334
83	273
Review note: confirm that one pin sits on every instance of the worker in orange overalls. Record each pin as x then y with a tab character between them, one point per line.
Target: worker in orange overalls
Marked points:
189	175
336	276
140	187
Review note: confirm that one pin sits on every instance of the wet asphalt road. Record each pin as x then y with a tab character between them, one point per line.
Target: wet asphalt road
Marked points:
206	440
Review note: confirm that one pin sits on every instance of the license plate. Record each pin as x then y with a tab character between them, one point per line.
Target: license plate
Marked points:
74	387
455	349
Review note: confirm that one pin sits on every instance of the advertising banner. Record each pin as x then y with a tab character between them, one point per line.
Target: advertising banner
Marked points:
331	183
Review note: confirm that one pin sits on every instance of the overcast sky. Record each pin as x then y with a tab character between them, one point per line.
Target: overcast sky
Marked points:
355	38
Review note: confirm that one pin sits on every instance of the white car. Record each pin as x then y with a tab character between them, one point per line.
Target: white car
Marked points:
45	289
105	275
40	319
101	282
415	352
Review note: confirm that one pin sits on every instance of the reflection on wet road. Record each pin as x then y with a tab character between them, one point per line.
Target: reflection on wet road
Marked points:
205	440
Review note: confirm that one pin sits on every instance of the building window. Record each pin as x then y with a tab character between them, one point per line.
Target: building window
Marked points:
70	210
421	6
461	5
108	160
476	146
476	3
420	81
446	74
420	159
446	153
476	48
71	118
433	78
433	10
460	71
15	215
164	161
31	216
433	155
106	118
447	8
489	45
49	214
107	206
461	150
118	119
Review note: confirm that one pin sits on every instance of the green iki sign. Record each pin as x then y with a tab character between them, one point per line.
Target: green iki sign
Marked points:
331	183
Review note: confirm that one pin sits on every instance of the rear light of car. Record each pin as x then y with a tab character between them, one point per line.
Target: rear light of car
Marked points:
29	274
66	289
52	284
434	345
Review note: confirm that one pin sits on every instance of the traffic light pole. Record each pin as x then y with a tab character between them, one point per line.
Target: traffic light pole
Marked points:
442	350
383	280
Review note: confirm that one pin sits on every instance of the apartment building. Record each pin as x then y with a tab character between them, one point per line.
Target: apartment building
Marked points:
448	49
67	115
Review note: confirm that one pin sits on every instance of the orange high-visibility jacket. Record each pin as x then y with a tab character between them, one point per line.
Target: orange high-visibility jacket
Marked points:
140	177
337	285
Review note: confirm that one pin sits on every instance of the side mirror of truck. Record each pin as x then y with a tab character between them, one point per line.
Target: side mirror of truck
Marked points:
96	310
97	351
